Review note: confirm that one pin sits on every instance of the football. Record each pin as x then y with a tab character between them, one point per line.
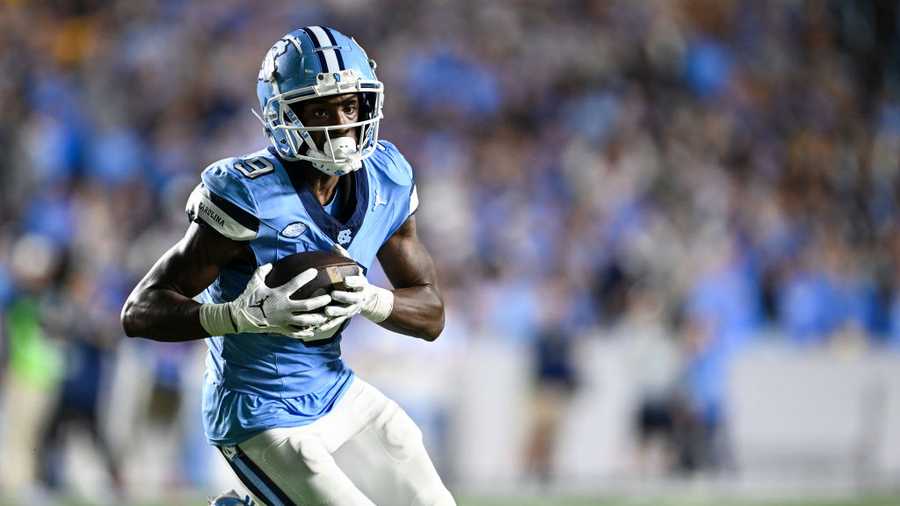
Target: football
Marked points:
333	268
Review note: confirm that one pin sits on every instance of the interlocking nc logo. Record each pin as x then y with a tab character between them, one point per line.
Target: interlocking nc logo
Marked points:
343	237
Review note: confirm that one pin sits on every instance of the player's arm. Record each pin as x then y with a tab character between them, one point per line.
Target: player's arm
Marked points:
418	308
414	307
161	306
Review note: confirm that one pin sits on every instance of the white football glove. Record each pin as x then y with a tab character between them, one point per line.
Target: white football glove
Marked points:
261	309
374	302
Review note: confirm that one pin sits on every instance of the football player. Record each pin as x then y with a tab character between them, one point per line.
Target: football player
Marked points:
278	401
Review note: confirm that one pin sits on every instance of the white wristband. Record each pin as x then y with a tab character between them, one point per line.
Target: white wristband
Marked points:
382	305
216	319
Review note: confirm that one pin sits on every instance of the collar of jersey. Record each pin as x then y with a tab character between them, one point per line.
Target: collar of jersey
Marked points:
327	223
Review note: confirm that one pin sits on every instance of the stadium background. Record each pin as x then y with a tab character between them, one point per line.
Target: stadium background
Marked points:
666	231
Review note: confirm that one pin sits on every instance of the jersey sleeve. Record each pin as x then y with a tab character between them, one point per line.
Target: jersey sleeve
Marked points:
223	202
401	173
413	201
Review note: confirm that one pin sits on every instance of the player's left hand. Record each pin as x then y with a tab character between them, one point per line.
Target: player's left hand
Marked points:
374	302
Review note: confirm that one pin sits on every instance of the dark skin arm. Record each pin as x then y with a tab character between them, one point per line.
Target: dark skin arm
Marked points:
160	307
418	306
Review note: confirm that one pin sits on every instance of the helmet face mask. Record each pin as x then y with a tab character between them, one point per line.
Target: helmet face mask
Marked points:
298	69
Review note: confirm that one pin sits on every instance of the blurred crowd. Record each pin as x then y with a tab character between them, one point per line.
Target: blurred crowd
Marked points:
702	173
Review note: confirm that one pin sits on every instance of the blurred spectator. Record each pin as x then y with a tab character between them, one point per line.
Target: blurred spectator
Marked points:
554	380
84	322
655	368
35	364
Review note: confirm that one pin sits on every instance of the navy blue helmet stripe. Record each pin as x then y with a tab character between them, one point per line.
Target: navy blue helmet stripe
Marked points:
334	43
326	47
317	48
312	37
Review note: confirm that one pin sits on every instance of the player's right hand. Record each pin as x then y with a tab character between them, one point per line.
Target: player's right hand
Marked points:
271	310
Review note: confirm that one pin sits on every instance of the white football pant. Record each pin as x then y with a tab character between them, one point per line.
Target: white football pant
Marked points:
380	448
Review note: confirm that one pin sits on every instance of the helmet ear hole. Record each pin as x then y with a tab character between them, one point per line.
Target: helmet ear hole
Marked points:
367	104
297	108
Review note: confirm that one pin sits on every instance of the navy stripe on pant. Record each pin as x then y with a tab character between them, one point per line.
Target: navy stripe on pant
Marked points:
255	479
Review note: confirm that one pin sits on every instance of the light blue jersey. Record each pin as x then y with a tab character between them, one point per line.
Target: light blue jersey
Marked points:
255	382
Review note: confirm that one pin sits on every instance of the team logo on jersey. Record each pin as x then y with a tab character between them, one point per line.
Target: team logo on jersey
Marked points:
295	229
343	236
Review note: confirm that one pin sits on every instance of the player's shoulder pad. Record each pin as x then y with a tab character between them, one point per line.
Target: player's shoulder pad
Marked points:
394	164
399	171
224	198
